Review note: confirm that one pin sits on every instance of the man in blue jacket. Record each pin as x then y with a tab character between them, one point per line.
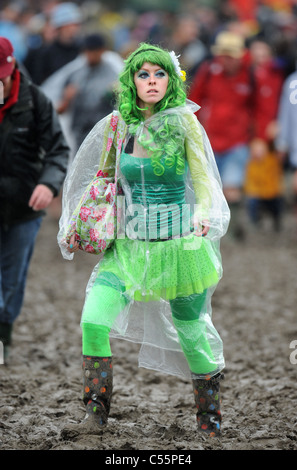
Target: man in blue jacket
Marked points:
33	163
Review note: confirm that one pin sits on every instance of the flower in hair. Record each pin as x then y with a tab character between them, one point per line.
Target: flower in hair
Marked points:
183	75
175	61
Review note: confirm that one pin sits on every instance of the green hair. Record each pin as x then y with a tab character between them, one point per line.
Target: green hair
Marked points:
166	141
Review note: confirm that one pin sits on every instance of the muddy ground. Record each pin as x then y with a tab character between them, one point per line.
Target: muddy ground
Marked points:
254	310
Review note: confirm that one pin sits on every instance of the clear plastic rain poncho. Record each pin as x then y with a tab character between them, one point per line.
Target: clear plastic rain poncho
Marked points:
162	272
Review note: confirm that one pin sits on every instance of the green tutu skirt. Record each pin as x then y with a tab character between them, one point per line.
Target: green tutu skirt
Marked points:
154	270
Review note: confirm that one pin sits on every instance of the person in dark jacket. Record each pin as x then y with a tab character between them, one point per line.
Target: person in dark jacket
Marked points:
88	93
33	164
66	20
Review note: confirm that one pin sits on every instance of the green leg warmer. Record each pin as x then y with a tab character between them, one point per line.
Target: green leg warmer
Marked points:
95	340
102	306
191	332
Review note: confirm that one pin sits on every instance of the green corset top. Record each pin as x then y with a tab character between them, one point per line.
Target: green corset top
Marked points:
156	208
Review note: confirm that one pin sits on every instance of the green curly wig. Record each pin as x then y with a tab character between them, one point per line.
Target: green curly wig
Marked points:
166	140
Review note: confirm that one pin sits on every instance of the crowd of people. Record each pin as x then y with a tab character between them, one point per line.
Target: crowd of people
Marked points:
241	78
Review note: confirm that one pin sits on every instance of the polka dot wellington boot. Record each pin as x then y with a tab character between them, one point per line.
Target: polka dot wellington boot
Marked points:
97	389
207	400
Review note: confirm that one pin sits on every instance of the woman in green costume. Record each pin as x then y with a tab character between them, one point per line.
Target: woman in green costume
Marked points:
154	285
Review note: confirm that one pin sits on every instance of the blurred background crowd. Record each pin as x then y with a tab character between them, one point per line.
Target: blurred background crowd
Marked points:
75	51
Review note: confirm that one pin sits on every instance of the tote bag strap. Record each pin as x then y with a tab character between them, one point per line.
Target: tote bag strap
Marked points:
116	135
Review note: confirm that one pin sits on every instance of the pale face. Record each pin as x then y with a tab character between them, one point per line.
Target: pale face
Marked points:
94	57
6	85
261	53
151	83
231	65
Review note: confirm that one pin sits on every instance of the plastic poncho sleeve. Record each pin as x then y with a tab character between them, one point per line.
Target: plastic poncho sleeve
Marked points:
196	158
210	203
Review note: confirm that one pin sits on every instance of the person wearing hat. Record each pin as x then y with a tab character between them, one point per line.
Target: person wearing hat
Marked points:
224	88
89	92
66	19
33	163
229	44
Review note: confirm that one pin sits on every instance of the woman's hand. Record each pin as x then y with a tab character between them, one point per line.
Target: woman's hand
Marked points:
203	231
73	246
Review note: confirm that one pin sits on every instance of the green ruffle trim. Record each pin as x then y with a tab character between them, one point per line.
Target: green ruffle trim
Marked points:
151	271
170	293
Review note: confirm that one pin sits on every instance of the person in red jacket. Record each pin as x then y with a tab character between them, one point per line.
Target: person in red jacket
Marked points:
264	176
224	89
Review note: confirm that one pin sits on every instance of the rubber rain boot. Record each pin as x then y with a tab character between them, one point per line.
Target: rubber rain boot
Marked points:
207	400
97	392
6	339
97	388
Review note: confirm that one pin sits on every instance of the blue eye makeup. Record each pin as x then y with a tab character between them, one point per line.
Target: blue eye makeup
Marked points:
160	73
144	74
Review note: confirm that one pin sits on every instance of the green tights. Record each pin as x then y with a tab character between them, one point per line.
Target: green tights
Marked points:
107	300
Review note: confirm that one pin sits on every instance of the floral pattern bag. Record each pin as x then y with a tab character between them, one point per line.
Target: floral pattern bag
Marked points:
94	221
